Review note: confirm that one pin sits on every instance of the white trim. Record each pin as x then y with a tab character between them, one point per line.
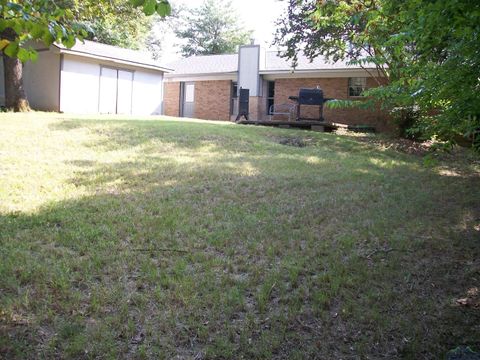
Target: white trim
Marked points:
333	73
200	77
113	60
271	75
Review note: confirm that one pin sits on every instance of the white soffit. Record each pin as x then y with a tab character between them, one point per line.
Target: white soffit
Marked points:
272	75
113	61
205	77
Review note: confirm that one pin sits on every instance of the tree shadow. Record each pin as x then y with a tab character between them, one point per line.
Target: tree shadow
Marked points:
204	238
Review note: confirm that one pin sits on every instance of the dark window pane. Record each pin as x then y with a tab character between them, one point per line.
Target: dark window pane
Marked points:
234	90
271	89
356	86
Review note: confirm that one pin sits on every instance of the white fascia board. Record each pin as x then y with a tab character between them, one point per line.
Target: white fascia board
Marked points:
330	73
114	61
172	77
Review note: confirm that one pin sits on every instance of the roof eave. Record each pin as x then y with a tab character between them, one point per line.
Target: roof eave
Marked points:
296	71
113	59
175	75
272	75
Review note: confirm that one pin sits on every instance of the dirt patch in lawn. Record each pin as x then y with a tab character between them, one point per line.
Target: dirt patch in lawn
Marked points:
397	144
294	141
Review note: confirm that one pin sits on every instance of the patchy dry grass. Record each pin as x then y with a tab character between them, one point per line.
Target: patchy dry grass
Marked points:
161	238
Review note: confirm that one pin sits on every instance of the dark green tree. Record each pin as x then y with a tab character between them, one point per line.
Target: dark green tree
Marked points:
212	28
427	51
113	22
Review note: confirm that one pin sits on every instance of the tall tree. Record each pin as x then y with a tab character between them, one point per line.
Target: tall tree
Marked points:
211	28
445	76
161	28
113	22
47	21
428	50
21	21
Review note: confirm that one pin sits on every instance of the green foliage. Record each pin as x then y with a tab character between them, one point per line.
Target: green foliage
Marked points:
343	104
162	7
447	67
428	51
212	28
114	22
41	20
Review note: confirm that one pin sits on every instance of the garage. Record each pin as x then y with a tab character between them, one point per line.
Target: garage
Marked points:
94	78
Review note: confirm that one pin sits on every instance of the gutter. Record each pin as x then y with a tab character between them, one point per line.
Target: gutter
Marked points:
304	71
114	60
173	74
172	77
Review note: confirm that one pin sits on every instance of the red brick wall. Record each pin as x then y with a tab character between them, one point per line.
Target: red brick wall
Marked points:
257	107
171	99
212	99
333	88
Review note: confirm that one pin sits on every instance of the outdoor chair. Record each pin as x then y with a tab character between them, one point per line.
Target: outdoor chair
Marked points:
286	109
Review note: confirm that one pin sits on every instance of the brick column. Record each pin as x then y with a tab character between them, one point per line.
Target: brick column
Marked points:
171	99
257	108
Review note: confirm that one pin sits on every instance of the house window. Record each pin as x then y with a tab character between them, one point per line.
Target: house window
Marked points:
270	95
356	86
234	90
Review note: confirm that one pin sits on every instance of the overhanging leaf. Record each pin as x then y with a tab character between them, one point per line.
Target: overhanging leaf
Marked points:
23	55
136	3
149	7
11	50
164	9
3	43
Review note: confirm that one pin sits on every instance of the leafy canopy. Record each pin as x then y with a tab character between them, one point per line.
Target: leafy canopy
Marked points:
65	21
43	20
114	22
425	53
212	28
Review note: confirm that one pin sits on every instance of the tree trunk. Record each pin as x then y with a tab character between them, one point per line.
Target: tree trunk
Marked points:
15	96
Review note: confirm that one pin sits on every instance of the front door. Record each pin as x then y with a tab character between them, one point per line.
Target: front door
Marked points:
188	100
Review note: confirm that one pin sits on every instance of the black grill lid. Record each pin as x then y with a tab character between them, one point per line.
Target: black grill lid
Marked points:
310	96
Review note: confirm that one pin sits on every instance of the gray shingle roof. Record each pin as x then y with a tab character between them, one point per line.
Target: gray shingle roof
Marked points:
205	64
134	57
273	62
215	64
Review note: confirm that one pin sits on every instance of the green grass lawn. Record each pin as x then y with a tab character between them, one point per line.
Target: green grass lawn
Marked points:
161	238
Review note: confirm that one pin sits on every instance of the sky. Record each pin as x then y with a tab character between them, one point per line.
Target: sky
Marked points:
256	15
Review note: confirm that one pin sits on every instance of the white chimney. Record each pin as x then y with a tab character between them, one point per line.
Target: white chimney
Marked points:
248	68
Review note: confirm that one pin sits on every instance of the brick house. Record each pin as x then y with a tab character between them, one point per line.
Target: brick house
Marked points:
206	87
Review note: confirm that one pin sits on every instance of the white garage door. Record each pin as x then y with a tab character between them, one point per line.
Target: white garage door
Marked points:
108	91
124	94
115	91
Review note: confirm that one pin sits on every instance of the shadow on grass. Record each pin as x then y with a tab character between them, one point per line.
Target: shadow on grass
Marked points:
219	241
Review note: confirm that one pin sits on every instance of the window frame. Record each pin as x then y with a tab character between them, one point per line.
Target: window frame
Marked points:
270	99
234	89
353	88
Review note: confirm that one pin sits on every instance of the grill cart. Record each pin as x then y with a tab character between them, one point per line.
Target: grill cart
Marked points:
310	97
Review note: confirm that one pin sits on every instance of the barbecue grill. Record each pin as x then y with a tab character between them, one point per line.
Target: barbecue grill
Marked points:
310	97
